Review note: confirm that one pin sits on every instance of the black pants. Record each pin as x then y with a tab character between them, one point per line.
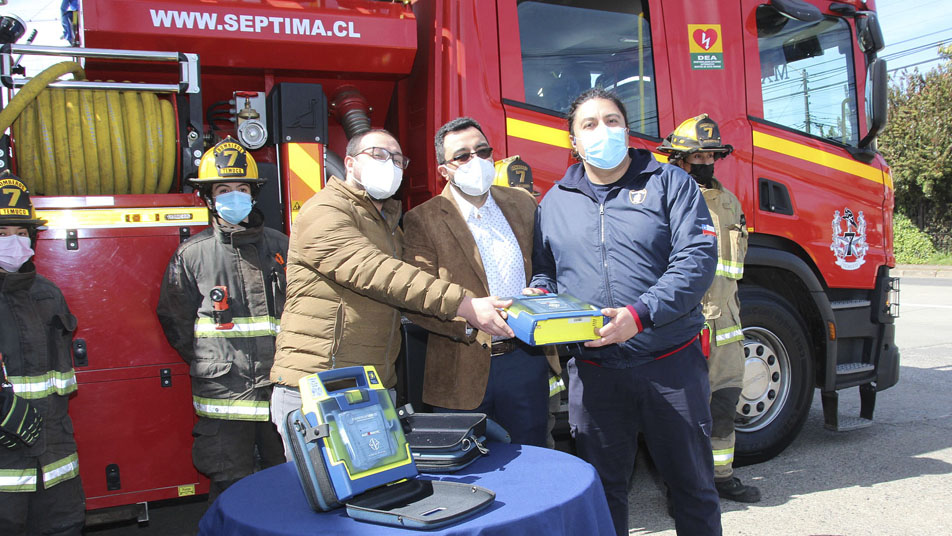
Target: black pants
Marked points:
667	401
59	510
227	451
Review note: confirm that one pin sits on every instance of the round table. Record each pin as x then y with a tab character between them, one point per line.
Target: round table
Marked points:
538	491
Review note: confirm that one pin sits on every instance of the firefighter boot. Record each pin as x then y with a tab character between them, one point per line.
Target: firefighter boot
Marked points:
735	490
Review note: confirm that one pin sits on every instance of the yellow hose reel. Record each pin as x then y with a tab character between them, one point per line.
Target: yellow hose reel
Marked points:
90	141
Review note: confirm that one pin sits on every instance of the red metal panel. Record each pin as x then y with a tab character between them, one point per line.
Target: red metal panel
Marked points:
347	36
127	418
122	413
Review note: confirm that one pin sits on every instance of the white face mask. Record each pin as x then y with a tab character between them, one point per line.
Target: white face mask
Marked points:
14	251
381	179
475	177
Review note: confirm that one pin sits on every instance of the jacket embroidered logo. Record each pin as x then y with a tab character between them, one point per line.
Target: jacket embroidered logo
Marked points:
637	197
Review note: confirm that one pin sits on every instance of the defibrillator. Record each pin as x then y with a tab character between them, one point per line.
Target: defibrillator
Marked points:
350	450
553	319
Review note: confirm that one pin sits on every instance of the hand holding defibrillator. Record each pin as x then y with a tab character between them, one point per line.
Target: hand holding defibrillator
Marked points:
622	327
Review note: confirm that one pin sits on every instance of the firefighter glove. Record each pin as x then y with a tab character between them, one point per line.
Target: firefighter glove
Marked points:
18	420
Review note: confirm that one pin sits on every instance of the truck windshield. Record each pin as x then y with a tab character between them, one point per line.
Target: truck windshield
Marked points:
571	46
807	77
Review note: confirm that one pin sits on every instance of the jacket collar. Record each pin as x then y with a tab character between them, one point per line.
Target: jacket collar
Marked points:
642	162
391	207
239	235
22	280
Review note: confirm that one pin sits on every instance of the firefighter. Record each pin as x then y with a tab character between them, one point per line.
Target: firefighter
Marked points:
652	259
694	146
40	489
220	305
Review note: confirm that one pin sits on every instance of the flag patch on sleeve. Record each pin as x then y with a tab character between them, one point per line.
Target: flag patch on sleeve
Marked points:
708	230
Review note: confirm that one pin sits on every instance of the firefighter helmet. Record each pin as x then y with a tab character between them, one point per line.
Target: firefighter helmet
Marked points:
698	134
227	161
15	205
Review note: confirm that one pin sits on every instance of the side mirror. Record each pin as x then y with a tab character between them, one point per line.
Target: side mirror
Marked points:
876	101
869	33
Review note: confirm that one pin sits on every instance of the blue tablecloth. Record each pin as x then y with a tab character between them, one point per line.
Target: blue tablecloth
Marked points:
538	492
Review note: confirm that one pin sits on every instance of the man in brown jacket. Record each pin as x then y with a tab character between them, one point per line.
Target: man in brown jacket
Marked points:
479	236
347	284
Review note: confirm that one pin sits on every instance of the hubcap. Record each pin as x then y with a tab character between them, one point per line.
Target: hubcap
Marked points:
766	380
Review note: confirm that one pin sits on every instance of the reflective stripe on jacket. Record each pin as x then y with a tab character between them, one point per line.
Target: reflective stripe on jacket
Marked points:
36	327
230	355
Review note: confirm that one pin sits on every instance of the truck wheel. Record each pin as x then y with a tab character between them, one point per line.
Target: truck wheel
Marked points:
778	376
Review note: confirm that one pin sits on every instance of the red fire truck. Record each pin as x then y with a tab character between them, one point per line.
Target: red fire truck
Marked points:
795	86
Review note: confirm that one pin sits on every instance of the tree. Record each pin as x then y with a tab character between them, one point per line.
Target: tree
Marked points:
917	143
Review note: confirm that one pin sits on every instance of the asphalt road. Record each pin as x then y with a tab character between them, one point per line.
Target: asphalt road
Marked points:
894	478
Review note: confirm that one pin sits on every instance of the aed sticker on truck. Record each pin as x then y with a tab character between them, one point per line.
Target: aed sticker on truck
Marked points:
704	42
186	490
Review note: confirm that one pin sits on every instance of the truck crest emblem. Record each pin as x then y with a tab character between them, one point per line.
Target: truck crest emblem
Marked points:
849	241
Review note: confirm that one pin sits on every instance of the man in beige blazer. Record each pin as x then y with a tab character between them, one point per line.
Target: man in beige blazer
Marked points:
479	236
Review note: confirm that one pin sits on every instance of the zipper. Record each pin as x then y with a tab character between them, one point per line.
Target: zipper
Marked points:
601	228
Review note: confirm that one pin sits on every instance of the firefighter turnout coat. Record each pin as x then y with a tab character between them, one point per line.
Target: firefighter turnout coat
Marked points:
231	350
35	332
721	305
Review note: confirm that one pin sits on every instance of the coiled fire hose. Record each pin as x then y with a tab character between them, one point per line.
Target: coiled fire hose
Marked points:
90	141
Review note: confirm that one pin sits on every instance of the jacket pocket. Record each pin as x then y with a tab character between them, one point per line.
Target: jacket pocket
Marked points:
209	369
738	242
338	332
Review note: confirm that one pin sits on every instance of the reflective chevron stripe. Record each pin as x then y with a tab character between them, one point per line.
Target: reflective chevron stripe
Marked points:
251	326
730	269
60	470
728	335
43	385
556	385
17	479
724	456
232	410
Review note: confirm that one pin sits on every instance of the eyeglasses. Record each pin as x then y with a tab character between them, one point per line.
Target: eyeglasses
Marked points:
483	153
381	154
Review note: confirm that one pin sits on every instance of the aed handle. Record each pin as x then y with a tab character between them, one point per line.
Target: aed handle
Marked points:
359	374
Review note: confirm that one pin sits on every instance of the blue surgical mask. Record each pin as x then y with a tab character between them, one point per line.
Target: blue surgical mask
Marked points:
233	206
605	147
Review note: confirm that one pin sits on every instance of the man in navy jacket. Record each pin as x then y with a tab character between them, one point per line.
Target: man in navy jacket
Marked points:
633	236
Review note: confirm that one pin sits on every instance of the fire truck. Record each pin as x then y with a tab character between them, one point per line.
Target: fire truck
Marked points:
107	141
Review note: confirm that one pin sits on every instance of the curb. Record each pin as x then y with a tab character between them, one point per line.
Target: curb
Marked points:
921	271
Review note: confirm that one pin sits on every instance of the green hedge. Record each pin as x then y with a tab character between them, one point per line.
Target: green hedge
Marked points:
912	246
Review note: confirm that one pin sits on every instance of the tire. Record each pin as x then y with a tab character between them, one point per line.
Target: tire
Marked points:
778	376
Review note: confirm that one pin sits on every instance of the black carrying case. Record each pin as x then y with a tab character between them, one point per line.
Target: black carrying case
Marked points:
444	442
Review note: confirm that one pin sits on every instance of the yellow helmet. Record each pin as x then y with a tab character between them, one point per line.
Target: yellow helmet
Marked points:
15	205
698	134
227	161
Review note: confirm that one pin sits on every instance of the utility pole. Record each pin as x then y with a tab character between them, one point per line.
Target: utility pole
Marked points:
806	99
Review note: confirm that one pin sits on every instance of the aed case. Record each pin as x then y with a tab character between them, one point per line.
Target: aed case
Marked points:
553	319
350	450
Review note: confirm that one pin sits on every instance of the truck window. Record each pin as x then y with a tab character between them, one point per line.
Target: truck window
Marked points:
570	46
807	76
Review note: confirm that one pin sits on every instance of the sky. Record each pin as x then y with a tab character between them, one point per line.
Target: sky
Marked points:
912	30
